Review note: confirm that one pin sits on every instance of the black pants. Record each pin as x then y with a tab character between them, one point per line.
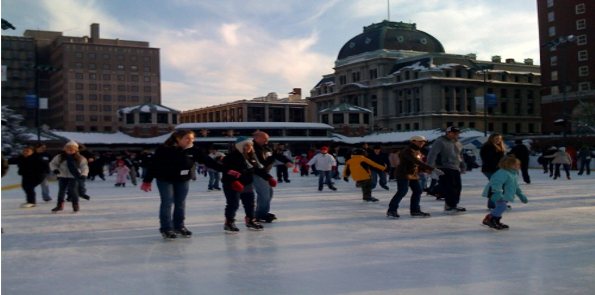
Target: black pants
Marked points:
28	184
233	201
449	187
282	173
525	172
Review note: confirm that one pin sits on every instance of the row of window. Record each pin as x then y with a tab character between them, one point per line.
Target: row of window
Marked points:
581	24
108	97
107	56
504	127
108	77
578	9
583	71
92	66
582	55
146	118
94	128
108	87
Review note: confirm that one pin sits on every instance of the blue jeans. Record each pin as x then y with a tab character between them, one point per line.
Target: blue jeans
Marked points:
213	179
264	196
324	174
233	201
70	185
403	186
45	187
378	174
491	204
501	206
172	193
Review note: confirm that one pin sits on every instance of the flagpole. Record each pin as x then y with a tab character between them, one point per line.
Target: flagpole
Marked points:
388	9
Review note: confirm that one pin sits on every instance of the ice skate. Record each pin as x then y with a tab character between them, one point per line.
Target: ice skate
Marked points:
332	187
454	210
169	235
420	214
490	221
230	226
28	205
371	199
58	207
392	214
252	224
184	232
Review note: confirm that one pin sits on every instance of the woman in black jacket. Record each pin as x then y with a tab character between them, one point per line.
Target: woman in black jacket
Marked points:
243	160
33	170
491	153
171	167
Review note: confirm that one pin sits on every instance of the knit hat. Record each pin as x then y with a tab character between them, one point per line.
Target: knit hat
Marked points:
324	149
418	138
562	149
241	142
120	162
72	144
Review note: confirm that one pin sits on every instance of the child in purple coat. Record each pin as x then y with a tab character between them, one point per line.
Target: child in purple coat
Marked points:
121	171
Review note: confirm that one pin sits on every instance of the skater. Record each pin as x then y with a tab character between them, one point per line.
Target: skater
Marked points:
446	155
32	169
214	177
491	153
549	163
69	166
521	152
303	163
393	159
355	167
144	161
282	170
407	177
379	176
45	184
121	171
239	189
325	165
264	192
503	186
561	158
84	152
584	157
171	166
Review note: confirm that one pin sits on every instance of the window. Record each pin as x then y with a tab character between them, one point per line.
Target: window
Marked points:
584	86
93	118
147	78
105	56
92	76
147	69
134	88
92	96
550	3
107	118
121	97
92	86
80	118
554	75
78	54
121	87
78	76
134	78
107	97
135	98
147	88
78	65
107	87
92	66
579	8
105	66
552	31
120	67
581	40
147	99
581	24
133	58
107	108
78	86
554	90
582	55
92	56
146	58
550	16
80	107
553	60
583	71
161	118
134	68
93	108
144	118
79	96
106	77
120	57
353	118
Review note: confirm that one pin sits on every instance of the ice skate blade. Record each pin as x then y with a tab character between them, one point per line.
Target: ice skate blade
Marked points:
229	232
487	226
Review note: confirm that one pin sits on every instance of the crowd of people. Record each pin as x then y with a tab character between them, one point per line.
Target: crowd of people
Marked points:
244	174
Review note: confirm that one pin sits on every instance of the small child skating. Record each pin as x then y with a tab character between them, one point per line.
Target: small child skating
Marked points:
355	168
303	163
121	171
504	186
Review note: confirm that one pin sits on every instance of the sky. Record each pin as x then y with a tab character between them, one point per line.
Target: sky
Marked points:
213	52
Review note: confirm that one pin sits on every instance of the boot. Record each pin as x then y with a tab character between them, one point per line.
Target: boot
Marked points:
320	187
490	221
252	224
75	207
230	226
59	207
332	187
502	225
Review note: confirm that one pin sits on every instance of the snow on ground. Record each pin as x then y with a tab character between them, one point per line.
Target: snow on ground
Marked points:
323	243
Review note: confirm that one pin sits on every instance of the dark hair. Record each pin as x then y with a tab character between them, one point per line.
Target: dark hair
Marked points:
172	140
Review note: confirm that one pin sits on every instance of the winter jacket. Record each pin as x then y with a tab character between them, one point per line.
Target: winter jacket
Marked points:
32	166
236	161
60	164
145	159
410	162
584	155
173	164
490	158
286	153
357	167
521	152
504	186
121	173
447	154
560	157
393	159
267	158
323	162
381	159
218	157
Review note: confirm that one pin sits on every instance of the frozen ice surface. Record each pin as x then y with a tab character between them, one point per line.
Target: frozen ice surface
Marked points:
323	243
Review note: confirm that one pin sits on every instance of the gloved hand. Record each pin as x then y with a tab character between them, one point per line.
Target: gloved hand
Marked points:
524	199
334	168
272	182
234	173
438	172
56	171
237	186
146	186
346	179
307	167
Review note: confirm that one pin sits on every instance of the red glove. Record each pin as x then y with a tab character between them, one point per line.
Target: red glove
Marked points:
237	186
334	168
307	167
272	182
234	173
146	186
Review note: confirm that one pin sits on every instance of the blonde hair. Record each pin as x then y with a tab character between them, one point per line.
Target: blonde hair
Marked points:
499	147
508	161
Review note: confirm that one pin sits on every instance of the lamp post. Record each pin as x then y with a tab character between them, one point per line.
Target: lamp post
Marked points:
553	45
485	69
39	68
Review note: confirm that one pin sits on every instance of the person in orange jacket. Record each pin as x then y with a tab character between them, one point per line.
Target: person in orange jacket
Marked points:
358	166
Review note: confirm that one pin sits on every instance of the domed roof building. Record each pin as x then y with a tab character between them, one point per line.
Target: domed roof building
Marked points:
408	82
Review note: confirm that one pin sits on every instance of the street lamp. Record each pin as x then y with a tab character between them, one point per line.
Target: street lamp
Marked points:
39	68
553	45
485	69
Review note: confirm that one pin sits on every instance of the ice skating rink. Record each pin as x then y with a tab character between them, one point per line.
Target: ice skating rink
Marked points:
323	243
